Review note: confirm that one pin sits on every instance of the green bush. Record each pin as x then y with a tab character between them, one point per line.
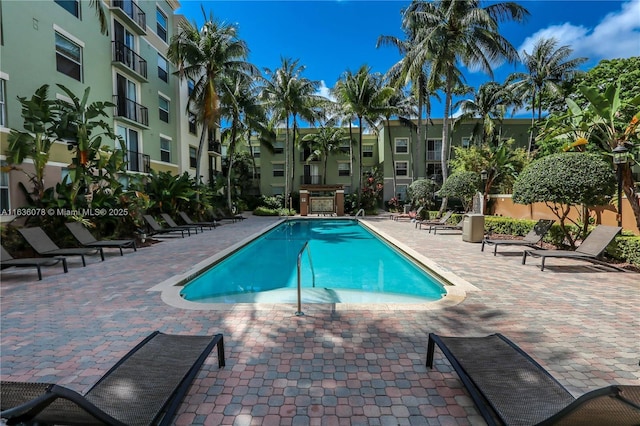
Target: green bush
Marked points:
627	248
266	211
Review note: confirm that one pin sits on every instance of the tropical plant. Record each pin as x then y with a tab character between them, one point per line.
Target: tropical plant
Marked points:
459	32
40	116
548	66
207	56
372	190
562	181
422	192
290	95
169	193
324	142
461	185
489	105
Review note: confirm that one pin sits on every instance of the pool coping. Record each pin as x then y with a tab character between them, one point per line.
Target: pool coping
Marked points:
456	290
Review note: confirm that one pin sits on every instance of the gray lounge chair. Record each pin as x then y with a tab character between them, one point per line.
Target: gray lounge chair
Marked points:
448	226
509	387
172	224
7	261
85	238
442	221
143	388
44	246
410	215
220	215
590	249
534	237
185	217
156	228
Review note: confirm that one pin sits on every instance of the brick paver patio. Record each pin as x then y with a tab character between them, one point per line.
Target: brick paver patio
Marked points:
331	366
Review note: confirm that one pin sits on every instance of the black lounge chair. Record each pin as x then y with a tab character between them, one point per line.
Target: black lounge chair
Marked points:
143	388
44	246
156	228
172	224
534	237
85	238
442	221
411	215
6	261
509	387
590	249
185	217
456	227
220	215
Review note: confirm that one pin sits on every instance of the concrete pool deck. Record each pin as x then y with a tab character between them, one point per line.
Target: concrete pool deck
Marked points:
330	366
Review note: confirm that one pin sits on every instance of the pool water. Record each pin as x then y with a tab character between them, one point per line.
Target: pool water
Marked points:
344	263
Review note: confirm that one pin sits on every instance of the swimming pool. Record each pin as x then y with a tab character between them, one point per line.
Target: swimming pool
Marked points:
346	262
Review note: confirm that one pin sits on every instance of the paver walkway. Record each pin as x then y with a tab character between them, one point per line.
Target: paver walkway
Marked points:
331	366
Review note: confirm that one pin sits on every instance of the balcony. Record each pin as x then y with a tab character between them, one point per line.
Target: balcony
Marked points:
215	147
129	12
311	180
129	59
138	162
131	110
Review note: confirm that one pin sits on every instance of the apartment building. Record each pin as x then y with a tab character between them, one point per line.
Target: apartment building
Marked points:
59	42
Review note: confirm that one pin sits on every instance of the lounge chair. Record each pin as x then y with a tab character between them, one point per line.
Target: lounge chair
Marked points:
172	224
185	217
411	215
220	215
456	227
143	388
590	249
44	246
442	221
534	236
85	238
6	261
509	387
156	228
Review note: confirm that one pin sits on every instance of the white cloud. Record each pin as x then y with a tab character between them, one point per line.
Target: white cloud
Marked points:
616	36
325	91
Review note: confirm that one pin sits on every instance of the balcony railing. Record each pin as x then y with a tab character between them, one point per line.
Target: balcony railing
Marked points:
131	110
215	146
133	12
124	55
311	180
138	162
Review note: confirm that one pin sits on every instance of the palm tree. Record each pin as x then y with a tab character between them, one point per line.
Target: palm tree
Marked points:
290	95
102	16
490	106
207	56
362	95
455	33
548	66
323	143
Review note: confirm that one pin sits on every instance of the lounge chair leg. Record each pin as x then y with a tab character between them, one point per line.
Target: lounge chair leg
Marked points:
102	254
430	350
482	247
221	360
524	257
84	263
64	265
542	265
495	250
39	272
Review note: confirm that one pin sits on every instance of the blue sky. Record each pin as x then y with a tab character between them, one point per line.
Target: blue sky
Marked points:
332	36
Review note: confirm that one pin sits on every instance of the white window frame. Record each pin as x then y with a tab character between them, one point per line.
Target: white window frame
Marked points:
342	168
396	145
62	54
163	65
193	159
396	168
3	101
167	139
435	154
277	169
278	147
256	151
367	149
163	27
5	184
160	109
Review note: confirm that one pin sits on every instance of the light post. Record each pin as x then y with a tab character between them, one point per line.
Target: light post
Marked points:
620	159
483	177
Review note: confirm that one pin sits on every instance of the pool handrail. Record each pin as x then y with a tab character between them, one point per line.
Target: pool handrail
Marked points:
313	275
360	211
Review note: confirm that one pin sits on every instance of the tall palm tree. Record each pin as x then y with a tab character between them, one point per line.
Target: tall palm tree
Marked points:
289	95
362	95
102	16
489	104
456	33
207	56
548	66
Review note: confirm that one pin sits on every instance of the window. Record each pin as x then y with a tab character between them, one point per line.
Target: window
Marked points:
277	190
163	68
163	108
165	150
193	157
278	147
401	192
402	168
434	170
68	57
257	173
278	170
3	103
434	148
71	6
344	169
4	188
161	25
465	142
256	151
192	123
345	146
131	138
402	145
367	151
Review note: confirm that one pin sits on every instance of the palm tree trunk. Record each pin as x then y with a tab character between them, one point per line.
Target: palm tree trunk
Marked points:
360	162
286	164
203	136
444	153
351	154
418	132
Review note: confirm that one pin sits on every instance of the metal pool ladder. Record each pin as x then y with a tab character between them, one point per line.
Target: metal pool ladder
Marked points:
359	211
313	276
